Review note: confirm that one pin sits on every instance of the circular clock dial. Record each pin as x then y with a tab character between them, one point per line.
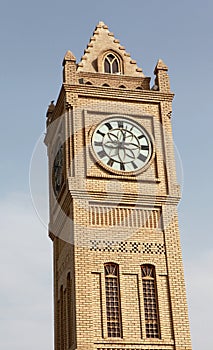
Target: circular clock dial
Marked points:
58	171
121	145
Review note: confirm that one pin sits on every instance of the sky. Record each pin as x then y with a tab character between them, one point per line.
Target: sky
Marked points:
34	37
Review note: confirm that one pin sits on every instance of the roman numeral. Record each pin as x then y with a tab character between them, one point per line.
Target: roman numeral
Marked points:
134	165
109	126
120	124
100	133
122	166
101	153
142	157
110	162
145	147
141	136
97	143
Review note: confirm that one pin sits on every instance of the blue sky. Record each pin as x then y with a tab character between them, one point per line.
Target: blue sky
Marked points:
34	37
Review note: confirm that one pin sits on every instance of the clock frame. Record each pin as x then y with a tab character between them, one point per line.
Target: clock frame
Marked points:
121	145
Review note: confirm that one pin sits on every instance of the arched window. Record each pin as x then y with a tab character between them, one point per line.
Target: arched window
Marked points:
150	301
111	64
113	300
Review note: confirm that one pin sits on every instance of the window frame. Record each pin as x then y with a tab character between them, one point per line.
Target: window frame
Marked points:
150	301
117	58
113	301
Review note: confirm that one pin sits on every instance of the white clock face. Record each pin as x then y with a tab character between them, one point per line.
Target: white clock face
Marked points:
121	145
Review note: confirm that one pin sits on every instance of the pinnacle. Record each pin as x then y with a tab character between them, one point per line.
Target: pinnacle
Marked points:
69	56
51	106
101	23
161	65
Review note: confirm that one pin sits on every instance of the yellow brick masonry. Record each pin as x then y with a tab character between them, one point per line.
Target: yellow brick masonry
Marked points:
81	248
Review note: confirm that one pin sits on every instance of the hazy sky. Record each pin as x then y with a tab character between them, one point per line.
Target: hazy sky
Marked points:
34	37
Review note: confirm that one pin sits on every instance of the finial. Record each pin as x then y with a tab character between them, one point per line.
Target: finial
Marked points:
161	65
101	23
50	109
69	57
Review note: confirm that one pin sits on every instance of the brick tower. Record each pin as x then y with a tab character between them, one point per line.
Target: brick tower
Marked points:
118	273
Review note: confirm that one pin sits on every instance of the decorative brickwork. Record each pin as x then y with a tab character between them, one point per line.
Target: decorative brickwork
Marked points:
121	216
127	247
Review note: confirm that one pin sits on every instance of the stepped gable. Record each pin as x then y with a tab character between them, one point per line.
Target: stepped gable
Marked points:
101	42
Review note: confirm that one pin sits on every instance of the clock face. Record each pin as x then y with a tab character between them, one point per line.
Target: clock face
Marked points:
121	145
58	171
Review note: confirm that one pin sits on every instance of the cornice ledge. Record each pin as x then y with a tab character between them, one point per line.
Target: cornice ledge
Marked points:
115	342
113	77
117	93
137	199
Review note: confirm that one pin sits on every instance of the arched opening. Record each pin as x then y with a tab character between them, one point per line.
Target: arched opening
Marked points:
112	64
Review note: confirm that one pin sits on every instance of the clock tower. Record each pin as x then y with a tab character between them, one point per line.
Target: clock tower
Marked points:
113	196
